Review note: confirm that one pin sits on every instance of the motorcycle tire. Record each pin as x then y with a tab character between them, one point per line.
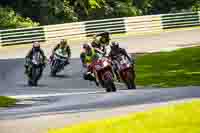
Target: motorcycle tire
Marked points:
130	83
110	86
30	83
54	69
35	83
53	74
114	89
36	74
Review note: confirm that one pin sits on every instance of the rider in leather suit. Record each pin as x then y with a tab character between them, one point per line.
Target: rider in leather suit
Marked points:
115	52
36	48
100	42
64	46
87	56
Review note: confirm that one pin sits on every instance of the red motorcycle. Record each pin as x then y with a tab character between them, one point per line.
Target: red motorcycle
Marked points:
126	71
103	72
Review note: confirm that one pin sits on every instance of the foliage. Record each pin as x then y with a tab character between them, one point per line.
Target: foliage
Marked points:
9	19
170	6
123	9
60	11
179	118
196	6
68	12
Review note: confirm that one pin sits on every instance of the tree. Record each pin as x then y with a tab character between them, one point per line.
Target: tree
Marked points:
9	19
83	7
170	6
196	6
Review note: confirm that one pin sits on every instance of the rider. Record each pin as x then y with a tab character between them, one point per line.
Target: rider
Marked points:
63	45
115	52
35	49
97	46
87	56
104	38
101	43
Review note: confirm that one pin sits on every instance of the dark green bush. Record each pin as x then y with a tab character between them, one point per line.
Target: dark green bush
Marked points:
9	19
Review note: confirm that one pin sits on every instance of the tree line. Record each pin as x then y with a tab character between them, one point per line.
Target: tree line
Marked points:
24	13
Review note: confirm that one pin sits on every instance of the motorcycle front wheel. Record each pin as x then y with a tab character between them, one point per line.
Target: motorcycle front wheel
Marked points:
130	80
109	83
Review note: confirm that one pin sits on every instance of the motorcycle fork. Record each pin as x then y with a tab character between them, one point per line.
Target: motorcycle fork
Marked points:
123	75
30	71
97	75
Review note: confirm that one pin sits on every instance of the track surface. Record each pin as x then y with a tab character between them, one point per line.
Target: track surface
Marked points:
13	82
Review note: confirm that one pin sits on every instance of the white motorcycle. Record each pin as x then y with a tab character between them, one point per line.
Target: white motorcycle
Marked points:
58	62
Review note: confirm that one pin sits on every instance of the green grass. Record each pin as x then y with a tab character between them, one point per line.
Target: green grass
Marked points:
180	118
169	69
7	102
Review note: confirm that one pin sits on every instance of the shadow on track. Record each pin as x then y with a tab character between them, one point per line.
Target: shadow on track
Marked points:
60	76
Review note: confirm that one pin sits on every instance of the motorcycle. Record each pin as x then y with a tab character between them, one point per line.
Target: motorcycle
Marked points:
126	71
58	62
102	70
36	66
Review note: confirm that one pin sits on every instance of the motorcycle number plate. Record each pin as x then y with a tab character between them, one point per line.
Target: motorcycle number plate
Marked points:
97	67
123	66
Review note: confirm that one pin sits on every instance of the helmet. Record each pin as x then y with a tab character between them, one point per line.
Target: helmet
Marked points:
63	43
96	40
105	37
114	45
87	48
36	46
106	33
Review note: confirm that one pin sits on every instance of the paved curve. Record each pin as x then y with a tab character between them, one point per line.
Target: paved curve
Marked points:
13	82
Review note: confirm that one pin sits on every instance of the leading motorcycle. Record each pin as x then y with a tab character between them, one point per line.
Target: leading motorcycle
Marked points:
103	72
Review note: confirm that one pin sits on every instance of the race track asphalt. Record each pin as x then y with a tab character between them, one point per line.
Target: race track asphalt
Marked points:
78	95
13	82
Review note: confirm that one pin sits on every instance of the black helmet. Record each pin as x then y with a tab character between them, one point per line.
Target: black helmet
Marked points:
36	46
63	42
86	46
96	40
115	45
105	34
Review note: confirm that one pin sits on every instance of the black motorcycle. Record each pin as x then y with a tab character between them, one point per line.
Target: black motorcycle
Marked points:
35	69
58	62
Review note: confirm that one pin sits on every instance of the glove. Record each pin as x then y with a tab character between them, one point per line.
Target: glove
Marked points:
84	65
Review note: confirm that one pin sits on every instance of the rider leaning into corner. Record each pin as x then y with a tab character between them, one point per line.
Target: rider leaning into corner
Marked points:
101	42
63	45
35	49
104	37
87	56
115	52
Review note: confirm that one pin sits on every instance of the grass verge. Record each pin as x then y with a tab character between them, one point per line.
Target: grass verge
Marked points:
169	69
7	102
171	119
